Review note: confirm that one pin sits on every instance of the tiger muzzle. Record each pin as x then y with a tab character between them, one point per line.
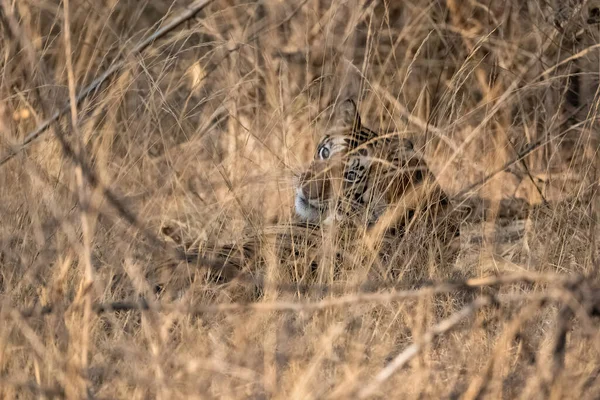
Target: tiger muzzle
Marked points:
316	183
315	189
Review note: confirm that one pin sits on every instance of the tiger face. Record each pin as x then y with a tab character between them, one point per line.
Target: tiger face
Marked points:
356	173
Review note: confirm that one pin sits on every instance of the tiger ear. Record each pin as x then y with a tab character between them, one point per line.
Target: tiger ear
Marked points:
346	110
351	81
346	115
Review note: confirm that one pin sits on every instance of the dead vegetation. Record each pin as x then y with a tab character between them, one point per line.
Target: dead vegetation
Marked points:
202	128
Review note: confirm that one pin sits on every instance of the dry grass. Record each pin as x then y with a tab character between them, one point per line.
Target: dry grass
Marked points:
204	130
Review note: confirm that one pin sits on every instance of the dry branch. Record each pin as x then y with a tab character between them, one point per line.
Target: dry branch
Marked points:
411	351
177	20
560	282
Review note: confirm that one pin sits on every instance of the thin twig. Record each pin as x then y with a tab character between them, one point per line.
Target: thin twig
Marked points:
184	16
411	351
508	93
413	119
481	381
520	156
83	196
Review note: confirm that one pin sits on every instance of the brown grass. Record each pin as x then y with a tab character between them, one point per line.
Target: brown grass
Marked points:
204	131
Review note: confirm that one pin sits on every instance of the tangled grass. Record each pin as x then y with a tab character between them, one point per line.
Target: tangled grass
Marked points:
113	127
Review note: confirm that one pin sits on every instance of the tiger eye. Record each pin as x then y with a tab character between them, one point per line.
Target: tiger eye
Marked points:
324	153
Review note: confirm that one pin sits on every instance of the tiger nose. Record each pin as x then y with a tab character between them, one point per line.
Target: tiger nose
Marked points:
315	183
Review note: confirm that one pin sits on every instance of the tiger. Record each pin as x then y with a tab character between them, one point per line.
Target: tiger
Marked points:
375	186
358	174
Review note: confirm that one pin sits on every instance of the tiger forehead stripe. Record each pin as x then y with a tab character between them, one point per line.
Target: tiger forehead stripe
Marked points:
362	136
359	138
352	143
